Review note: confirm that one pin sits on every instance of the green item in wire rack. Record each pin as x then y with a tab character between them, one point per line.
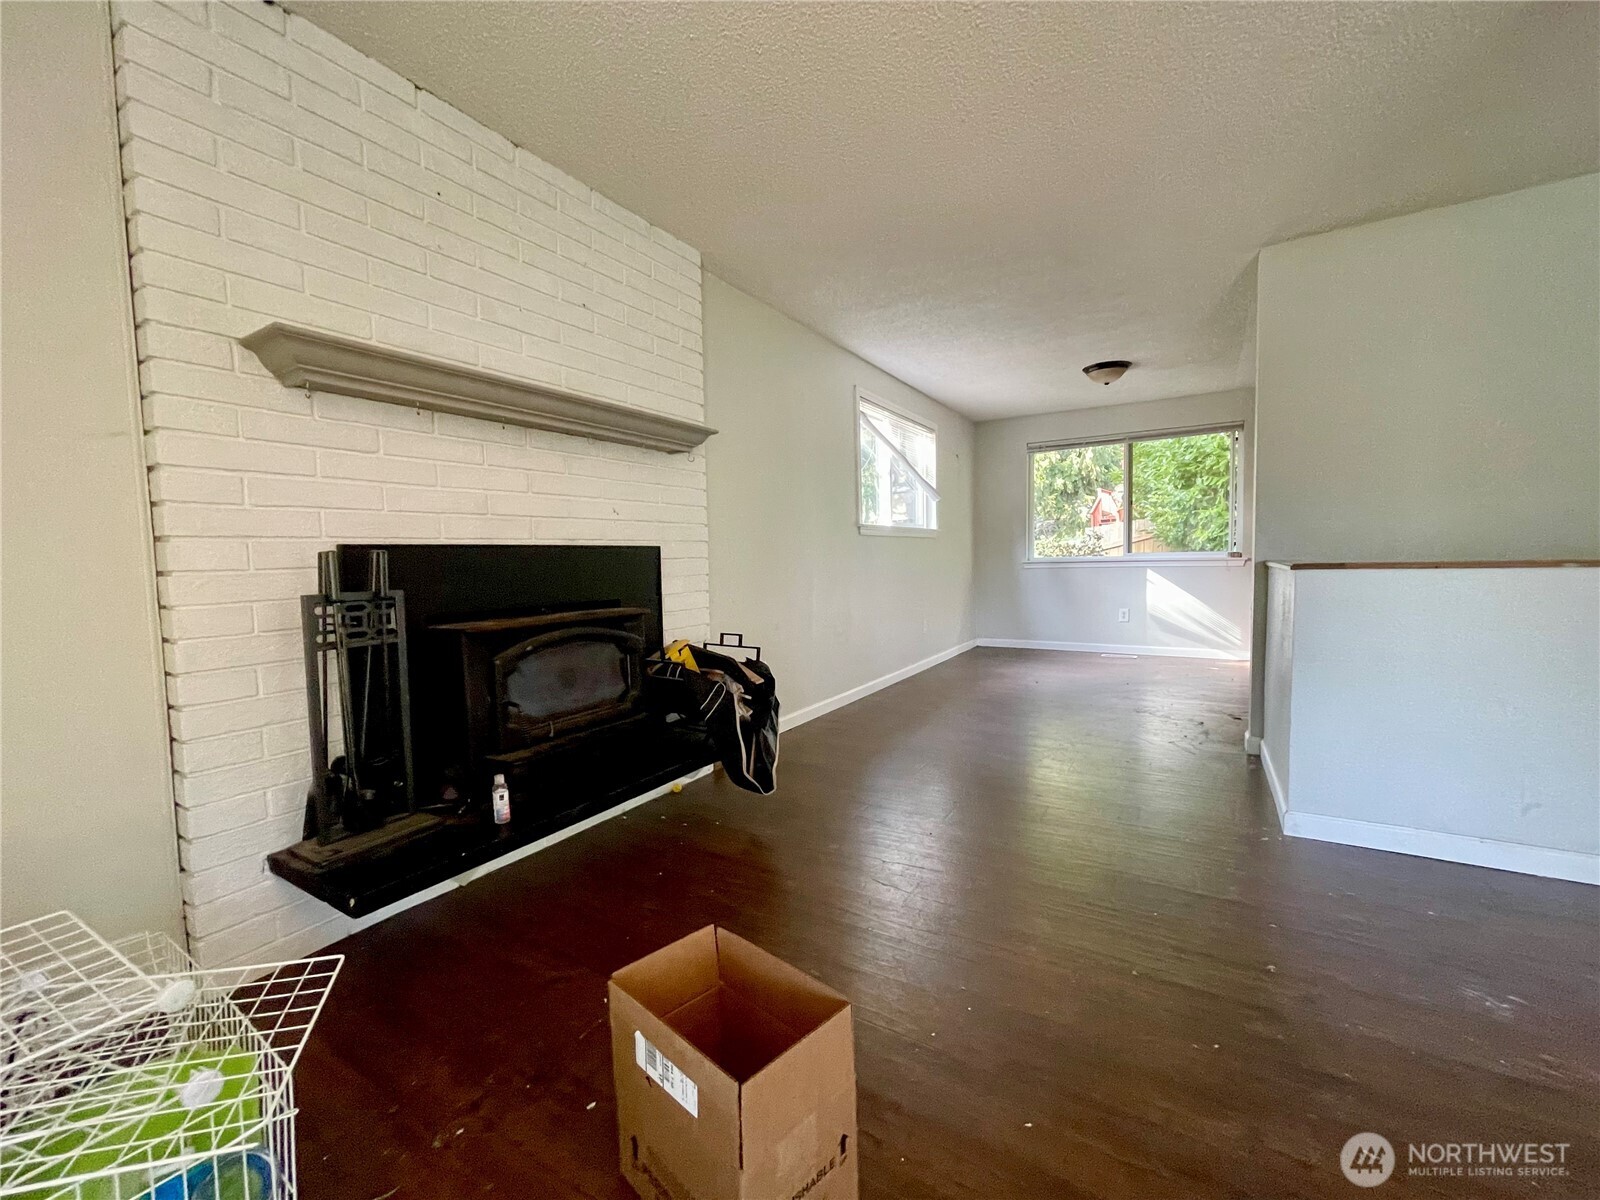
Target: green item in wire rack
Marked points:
133	1117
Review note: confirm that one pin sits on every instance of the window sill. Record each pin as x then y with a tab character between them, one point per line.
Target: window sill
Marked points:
895	531
1142	560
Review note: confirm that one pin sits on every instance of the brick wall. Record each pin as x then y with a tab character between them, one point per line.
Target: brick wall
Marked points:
274	173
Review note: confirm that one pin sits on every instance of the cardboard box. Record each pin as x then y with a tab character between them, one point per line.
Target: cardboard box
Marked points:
736	1076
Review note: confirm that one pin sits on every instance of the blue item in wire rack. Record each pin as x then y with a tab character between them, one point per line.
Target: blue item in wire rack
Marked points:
242	1176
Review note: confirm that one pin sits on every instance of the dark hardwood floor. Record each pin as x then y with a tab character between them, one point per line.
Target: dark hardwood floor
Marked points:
1083	962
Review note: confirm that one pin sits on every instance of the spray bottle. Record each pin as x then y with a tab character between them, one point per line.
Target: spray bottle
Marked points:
501	796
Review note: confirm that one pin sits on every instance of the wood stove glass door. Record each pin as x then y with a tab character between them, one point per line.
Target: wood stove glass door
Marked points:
558	683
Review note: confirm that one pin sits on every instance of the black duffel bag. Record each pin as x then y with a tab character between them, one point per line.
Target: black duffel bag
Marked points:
738	704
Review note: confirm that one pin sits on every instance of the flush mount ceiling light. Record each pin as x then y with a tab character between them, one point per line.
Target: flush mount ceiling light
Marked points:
1107	372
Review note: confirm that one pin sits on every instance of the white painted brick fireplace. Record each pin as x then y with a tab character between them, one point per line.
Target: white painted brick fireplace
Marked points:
274	173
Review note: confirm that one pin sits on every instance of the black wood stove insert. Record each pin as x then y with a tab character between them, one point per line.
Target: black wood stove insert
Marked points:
535	685
526	661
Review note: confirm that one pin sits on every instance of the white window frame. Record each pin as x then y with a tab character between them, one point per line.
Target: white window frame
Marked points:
1232	556
862	396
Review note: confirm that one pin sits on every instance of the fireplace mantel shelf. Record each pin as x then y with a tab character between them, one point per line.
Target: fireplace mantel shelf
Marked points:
325	362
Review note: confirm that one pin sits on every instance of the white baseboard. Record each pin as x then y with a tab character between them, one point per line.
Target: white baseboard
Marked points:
1452	847
1429	843
1280	794
1112	648
1252	744
522	852
812	711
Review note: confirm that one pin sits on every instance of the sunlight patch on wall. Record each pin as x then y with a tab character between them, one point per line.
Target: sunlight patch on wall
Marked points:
1178	618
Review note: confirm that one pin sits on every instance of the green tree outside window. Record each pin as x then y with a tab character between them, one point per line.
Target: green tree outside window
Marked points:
1182	499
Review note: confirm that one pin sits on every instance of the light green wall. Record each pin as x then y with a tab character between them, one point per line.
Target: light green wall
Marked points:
86	817
834	608
1428	387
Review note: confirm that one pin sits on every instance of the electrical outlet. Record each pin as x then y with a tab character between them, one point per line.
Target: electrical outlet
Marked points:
1122	614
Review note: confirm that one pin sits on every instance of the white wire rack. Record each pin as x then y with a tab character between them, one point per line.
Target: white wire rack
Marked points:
129	1073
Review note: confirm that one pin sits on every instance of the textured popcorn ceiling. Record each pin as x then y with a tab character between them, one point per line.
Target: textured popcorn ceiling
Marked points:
981	198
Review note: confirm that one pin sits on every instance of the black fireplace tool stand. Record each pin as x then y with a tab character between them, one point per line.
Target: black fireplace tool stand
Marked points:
362	801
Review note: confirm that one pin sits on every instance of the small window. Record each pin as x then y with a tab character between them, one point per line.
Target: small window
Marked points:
1173	494
898	465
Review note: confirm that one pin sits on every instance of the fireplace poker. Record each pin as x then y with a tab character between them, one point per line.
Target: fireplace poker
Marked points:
341	654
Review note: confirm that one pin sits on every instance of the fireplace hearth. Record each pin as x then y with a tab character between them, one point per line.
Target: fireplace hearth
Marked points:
527	661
